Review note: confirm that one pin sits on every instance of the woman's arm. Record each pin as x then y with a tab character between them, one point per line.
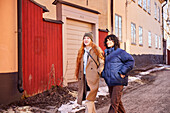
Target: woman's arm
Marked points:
128	63
101	62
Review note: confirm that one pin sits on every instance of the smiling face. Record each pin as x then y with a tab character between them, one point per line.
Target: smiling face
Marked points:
87	41
109	43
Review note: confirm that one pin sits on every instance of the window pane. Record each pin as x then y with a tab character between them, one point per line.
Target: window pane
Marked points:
140	2
158	14
149	6
120	28
116	21
156	41
155	10
140	35
144	4
133	33
159	42
149	39
116	25
120	34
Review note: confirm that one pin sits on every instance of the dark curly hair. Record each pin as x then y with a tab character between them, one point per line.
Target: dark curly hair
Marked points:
114	39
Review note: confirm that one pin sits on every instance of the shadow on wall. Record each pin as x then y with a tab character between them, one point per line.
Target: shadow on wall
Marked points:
145	59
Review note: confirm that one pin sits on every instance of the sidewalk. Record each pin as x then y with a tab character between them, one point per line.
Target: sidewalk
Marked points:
66	96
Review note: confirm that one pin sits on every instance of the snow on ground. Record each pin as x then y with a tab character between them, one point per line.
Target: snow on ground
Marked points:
73	107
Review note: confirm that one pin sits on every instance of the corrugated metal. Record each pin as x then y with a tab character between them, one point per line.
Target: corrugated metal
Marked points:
42	51
102	36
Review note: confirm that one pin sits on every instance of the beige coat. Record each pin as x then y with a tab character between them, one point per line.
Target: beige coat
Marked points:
92	76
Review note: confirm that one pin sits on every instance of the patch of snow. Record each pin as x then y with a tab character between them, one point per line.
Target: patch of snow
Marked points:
102	91
151	70
131	79
73	107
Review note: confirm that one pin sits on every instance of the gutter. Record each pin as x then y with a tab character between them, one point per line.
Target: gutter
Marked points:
111	15
20	73
163	40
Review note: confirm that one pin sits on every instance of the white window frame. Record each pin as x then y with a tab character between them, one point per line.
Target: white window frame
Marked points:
149	39
118	26
149	6
140	36
133	33
156	41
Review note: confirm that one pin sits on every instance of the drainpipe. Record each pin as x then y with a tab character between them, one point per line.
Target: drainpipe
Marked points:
111	11
163	40
19	14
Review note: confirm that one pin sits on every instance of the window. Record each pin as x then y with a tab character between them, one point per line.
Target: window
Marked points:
155	10
149	6
133	33
158	14
149	39
144	4
156	41
118	26
159	42
140	3
140	36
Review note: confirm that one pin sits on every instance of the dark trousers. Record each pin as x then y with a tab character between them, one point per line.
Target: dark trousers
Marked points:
115	96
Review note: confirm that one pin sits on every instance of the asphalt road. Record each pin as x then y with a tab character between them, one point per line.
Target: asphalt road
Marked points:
150	97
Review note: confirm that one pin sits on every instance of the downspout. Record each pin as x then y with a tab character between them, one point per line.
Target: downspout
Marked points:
111	11
19	14
163	40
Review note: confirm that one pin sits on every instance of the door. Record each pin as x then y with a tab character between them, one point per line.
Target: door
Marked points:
75	31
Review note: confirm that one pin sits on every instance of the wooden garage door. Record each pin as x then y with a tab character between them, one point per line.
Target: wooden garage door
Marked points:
75	32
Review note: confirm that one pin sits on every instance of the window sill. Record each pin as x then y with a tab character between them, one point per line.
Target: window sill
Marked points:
141	45
133	43
133	1
149	13
140	5
145	10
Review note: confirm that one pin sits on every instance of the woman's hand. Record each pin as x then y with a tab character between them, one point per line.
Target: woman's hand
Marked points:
123	76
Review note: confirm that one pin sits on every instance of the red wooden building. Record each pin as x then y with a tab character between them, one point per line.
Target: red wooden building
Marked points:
40	52
42	49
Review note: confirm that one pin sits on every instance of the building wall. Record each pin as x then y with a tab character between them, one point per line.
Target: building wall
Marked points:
8	52
42	50
139	17
99	5
52	8
8	36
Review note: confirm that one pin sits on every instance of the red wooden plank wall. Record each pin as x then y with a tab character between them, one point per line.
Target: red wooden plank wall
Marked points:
168	56
42	50
102	36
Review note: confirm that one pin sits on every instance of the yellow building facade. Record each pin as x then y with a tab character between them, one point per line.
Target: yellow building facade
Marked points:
8	36
137	23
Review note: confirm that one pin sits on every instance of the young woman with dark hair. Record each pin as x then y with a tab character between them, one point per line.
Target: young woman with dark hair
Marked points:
117	64
89	65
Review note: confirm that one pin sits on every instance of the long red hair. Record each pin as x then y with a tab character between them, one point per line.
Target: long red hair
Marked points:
81	52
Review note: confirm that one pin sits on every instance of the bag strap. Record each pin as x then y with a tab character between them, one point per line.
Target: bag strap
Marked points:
93	59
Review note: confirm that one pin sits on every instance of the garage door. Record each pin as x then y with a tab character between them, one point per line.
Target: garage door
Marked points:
75	31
